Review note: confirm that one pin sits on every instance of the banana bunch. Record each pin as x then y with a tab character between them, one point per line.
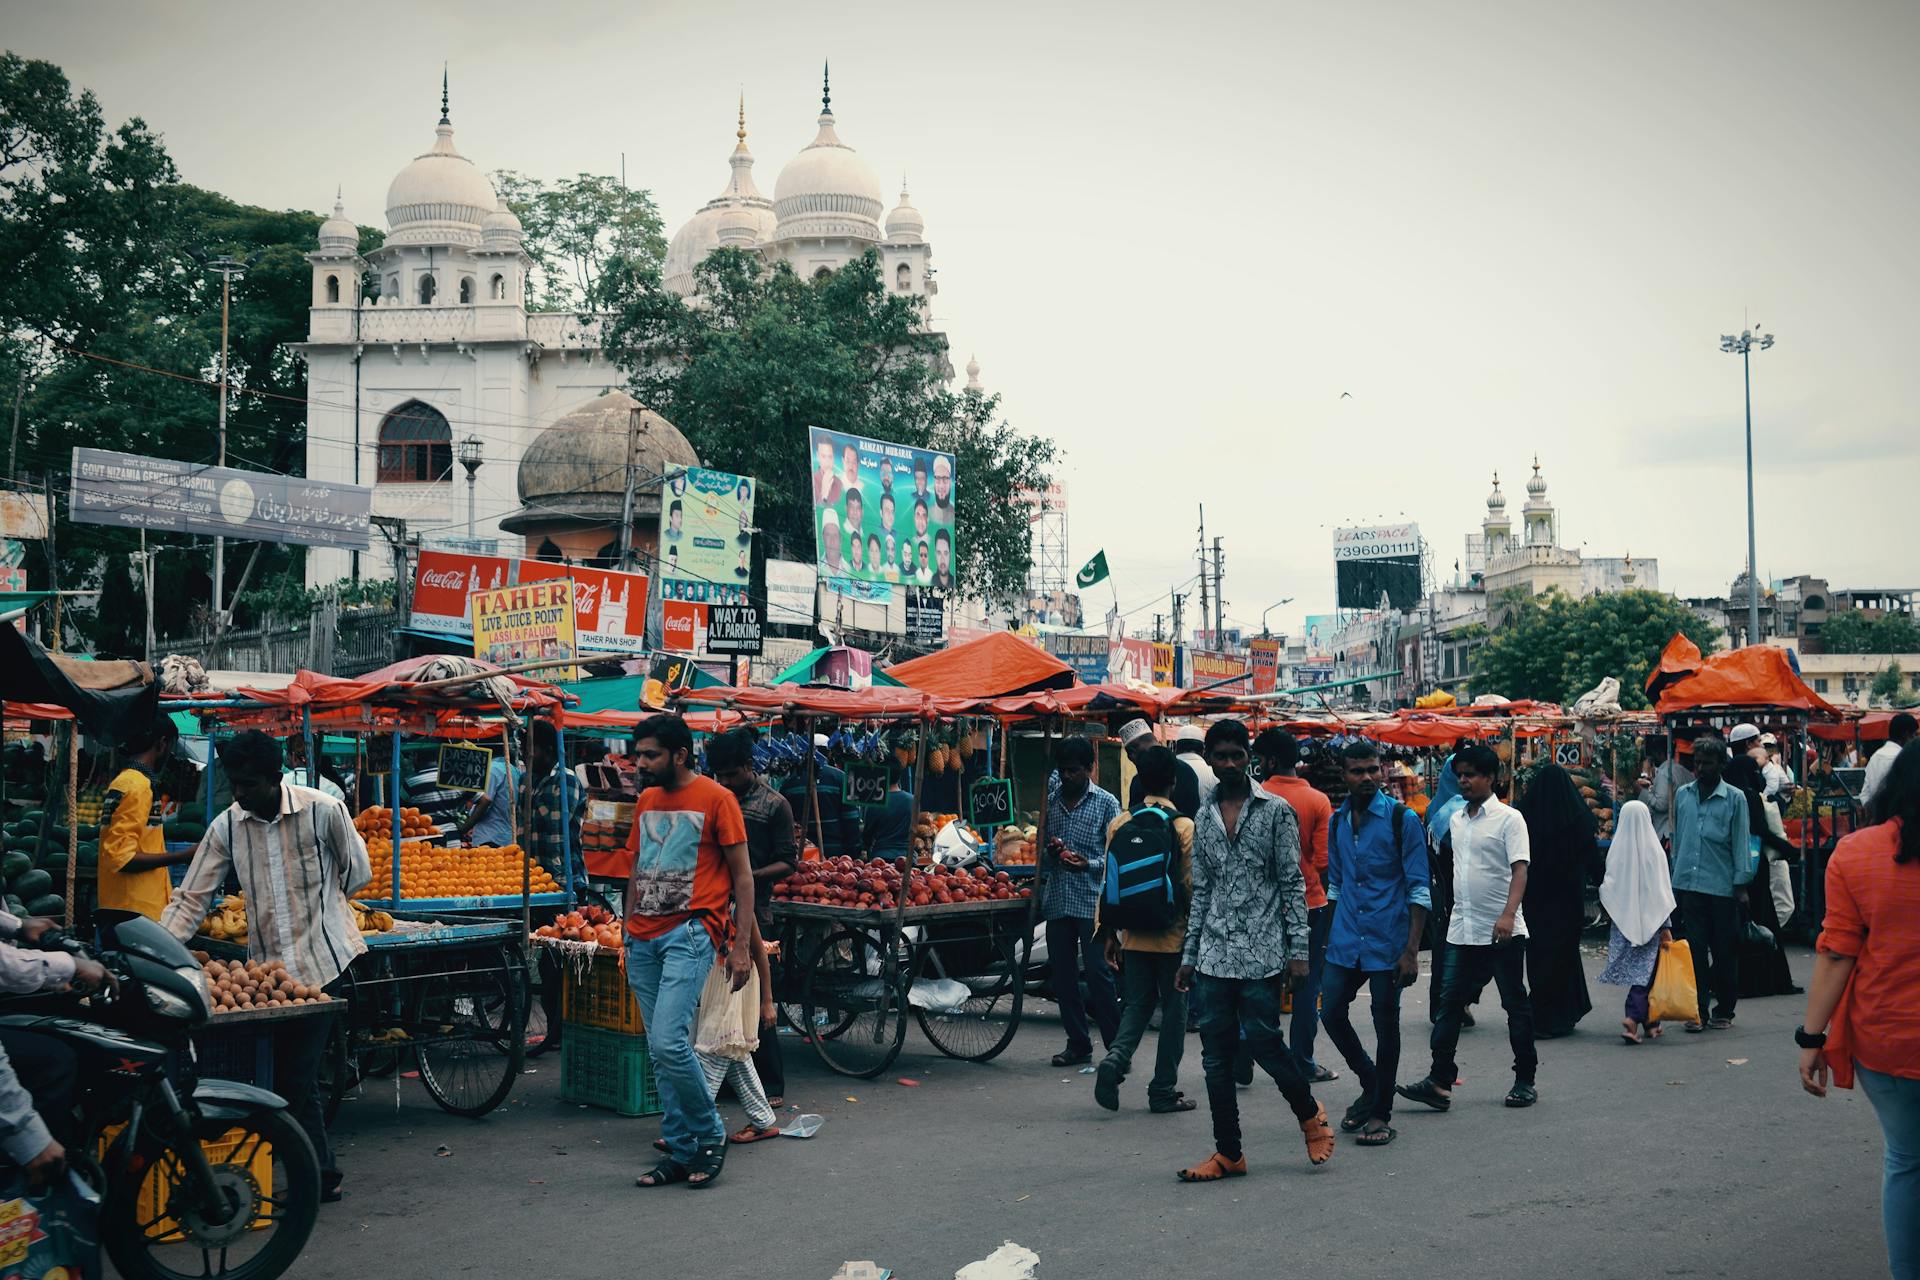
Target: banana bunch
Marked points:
227	922
370	921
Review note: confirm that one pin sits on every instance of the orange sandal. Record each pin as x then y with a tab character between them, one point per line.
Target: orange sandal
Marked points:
1214	1168
753	1133
1319	1136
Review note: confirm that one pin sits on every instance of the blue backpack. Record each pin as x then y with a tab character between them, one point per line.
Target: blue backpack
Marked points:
1140	891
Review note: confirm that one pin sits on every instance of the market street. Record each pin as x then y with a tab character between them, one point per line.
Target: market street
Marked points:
1664	1159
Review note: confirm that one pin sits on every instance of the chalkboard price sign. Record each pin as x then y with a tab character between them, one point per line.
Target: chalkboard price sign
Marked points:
464	768
867	785
990	803
1570	755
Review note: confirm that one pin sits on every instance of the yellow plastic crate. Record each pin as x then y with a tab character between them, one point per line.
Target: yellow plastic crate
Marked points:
601	998
157	1187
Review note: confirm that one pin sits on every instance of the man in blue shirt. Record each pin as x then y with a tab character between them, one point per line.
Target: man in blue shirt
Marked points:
490	821
836	826
1377	886
1710	829
1078	813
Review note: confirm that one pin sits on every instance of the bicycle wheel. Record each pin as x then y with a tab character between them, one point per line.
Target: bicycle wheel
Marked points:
981	1026
470	1035
858	1017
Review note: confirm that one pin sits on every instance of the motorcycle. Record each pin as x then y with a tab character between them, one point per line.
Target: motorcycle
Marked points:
199	1177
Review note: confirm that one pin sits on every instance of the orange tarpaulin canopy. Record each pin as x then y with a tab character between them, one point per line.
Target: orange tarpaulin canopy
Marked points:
1681	657
1429	731
1872	727
990	667
1756	676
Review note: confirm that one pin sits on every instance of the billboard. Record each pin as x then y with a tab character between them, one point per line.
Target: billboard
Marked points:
169	496
791	587
1218	672
1320	630
530	623
23	515
706	535
1373	561
610	607
882	513
1264	653
1086	654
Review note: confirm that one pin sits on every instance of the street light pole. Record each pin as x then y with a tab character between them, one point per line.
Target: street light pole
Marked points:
471	456
1743	346
1269	609
228	267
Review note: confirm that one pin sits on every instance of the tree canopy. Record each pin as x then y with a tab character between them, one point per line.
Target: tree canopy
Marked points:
763	355
574	228
1555	648
1854	632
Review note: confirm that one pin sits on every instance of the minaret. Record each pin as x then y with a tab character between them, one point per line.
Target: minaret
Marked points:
738	229
1538	512
1496	531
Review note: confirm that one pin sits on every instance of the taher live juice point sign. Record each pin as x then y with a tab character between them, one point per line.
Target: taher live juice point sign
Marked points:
530	623
706	536
882	513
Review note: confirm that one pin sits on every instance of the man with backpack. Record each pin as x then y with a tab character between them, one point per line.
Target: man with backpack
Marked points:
1143	919
1378	890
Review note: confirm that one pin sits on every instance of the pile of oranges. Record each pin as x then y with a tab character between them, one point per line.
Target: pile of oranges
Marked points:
588	924
428	871
378	821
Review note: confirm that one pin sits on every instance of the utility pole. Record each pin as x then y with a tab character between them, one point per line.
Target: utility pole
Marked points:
1219	594
1179	599
1743	346
1204	616
228	266
1158	634
626	503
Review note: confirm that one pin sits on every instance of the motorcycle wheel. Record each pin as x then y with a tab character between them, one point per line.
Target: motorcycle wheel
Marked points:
153	1226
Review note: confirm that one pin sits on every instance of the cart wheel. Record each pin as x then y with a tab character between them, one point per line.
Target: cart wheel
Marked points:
470	1035
984	1023
857	1018
336	1075
799	949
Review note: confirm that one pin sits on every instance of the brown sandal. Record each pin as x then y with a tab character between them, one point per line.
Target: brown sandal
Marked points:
1319	1136
1214	1168
753	1133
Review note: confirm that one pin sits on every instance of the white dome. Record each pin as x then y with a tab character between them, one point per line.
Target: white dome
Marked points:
440	197
1496	501
739	207
501	229
905	222
827	191
1537	486
338	234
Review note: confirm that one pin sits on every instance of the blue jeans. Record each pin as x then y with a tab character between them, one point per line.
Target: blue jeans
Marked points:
667	974
1306	992
1896	1100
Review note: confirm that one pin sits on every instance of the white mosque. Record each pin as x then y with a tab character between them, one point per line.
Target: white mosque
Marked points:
445	364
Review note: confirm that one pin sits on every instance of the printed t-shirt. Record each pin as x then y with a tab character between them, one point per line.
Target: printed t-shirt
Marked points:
131	831
679	872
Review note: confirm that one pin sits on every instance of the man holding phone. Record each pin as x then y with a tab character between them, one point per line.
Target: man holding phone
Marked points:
1490	855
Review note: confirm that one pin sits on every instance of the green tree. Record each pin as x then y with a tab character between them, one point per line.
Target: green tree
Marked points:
1854	632
1555	648
1890	688
574	228
767	355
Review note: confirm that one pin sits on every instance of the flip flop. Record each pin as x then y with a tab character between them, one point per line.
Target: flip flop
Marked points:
1630	1032
1377	1138
1358	1114
753	1133
1213	1169
1425	1094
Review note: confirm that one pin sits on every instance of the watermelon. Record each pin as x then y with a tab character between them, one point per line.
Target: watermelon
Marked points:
47	904
15	906
32	817
30	884
89	832
15	863
191	813
185	831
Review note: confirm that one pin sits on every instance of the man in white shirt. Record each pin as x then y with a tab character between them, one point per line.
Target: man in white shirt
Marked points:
1490	855
1900	731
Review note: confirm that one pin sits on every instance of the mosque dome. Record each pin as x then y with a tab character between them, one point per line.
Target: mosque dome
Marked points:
501	229
338	234
739	209
576	470
1537	485
905	222
827	191
1496	501
441	197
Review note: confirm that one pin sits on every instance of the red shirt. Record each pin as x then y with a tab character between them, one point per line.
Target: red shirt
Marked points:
679	872
1315	812
1873	914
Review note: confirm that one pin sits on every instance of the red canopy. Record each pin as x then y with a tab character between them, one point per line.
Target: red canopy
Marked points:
990	667
1756	676
1871	727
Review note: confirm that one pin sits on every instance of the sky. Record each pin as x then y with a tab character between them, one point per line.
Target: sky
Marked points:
1175	235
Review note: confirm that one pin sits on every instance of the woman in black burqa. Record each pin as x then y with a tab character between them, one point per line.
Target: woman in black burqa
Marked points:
1763	957
1560	837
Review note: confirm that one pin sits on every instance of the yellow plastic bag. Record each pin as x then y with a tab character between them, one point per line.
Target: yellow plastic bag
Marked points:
1672	997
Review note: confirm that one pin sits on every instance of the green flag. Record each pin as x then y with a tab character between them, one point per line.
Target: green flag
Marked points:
1092	571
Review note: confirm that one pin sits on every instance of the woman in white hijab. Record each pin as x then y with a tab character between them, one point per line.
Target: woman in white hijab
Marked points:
1638	896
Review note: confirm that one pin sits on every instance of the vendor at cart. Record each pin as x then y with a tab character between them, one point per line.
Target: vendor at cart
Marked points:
490	820
133	847
298	860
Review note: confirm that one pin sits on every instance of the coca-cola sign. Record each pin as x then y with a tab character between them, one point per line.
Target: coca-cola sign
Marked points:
441	583
610	608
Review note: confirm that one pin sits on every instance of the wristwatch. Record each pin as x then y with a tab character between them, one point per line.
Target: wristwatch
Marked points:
1809	1039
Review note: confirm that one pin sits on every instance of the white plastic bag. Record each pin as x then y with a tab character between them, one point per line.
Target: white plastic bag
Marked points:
1009	1262
729	1021
938	995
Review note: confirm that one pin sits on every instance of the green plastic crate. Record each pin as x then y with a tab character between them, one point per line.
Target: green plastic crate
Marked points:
609	1069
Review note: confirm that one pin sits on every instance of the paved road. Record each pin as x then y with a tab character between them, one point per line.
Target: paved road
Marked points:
1662	1160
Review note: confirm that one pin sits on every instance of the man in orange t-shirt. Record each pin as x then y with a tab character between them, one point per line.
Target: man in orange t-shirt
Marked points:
1279	752
689	898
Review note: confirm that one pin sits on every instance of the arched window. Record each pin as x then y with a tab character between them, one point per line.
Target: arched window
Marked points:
608	557
416	446
466	290
548	551
903	277
333	288
823	273
1816	603
498	289
427	289
393	288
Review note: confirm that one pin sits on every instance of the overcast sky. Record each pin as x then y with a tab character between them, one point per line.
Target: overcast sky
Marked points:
1175	234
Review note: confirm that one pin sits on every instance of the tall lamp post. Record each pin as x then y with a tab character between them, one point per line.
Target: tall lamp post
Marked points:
1269	609
1743	346
471	451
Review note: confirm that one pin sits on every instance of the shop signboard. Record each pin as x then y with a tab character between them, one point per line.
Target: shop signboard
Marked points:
1086	654
1264	653
463	768
926	618
735	630
882	512
442	583
170	496
1166	671
683	626
1218	672
610	607
791	587
528	623
22	515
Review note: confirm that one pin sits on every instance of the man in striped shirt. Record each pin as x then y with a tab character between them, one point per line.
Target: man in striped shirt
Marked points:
298	859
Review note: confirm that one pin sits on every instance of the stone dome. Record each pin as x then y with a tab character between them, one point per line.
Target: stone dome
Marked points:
338	234
576	470
441	197
827	191
905	222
